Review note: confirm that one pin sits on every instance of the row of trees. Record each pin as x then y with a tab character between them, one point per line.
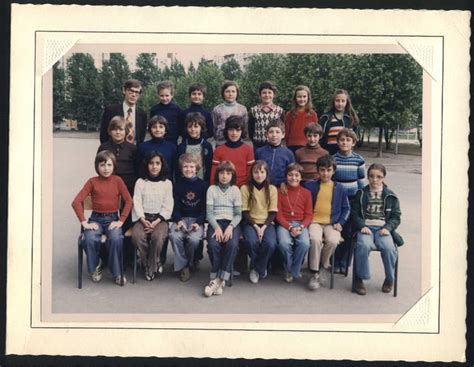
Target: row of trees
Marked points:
385	89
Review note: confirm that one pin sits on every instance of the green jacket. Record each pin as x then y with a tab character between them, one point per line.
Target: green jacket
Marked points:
391	207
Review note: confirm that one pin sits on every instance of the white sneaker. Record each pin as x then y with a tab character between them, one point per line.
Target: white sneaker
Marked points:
254	276
97	274
314	283
212	287
220	290
288	277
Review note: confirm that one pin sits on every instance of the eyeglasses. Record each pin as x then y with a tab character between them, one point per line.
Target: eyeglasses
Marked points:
134	91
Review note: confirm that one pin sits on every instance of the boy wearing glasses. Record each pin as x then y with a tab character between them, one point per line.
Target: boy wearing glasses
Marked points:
135	117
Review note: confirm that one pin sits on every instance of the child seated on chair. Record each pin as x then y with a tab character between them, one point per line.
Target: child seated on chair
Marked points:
106	190
152	207
375	216
189	213
330	212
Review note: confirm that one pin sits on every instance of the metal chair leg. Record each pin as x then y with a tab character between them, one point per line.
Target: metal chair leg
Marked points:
79	264
395	281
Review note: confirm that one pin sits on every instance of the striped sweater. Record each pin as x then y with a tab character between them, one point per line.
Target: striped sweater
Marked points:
350	172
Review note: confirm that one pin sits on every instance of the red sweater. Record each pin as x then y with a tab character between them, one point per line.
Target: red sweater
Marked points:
105	193
242	158
301	205
295	122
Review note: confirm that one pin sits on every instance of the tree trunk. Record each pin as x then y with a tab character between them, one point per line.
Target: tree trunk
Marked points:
388	138
361	137
419	135
379	152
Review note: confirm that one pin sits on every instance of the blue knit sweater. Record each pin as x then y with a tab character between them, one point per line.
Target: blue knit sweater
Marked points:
164	147
350	172
189	199
206	153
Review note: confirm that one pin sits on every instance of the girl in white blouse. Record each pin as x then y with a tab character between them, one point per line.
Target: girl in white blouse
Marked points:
152	207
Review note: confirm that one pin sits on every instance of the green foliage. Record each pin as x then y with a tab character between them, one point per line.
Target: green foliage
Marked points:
148	98
147	72
59	93
84	90
115	72
231	69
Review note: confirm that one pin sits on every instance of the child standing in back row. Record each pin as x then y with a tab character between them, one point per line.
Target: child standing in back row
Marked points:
106	190
230	93
167	109
262	114
197	93
340	114
301	115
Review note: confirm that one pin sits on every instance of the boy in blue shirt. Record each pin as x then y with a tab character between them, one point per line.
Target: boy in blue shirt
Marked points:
274	154
197	93
168	109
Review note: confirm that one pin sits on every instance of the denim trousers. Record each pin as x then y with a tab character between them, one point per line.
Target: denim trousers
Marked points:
293	249
222	254
375	241
259	252
91	243
185	243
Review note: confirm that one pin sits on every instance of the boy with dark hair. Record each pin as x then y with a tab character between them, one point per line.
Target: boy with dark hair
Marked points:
277	156
310	153
330	212
168	109
135	117
194	143
196	93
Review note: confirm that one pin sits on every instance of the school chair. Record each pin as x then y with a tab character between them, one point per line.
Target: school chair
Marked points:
87	205
395	281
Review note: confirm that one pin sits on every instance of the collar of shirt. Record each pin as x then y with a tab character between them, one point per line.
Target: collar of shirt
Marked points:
125	107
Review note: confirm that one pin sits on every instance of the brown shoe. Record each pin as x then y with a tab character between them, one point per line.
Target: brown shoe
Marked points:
360	287
387	286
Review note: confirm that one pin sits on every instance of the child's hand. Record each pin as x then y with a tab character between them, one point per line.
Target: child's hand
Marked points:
366	230
227	233
181	226
338	227
194	227
145	223
90	226
218	234
295	231
155	223
115	224
384	232
260	232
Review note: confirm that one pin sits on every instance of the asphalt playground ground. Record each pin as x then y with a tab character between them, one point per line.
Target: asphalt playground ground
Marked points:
73	165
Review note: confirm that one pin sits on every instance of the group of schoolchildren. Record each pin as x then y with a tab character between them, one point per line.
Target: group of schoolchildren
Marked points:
263	202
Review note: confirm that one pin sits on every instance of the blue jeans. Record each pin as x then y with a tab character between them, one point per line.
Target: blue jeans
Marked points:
185	243
222	254
259	252
375	241
294	249
91	243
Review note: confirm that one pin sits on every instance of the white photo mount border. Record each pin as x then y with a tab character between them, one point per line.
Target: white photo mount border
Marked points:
425	50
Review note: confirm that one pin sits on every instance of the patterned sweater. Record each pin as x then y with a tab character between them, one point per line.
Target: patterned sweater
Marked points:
152	198
258	121
221	112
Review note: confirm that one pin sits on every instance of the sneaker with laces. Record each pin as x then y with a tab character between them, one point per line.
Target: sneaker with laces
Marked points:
314	283
118	282
97	274
220	290
160	269
184	274
254	276
288	277
212	287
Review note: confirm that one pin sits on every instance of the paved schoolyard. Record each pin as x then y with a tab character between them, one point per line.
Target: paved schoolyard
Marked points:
73	165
